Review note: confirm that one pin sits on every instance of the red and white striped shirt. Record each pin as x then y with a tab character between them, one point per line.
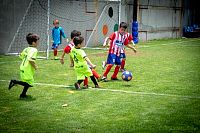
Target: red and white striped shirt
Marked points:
117	42
68	48
130	38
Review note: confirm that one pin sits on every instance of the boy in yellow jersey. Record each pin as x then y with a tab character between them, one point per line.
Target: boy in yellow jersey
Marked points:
28	65
81	62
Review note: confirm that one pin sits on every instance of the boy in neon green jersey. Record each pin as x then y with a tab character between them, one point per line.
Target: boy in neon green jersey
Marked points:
81	62
28	65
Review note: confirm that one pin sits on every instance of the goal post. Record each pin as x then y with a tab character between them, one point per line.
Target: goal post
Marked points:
96	20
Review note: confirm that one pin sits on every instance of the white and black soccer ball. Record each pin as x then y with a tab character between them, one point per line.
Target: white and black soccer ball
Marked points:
127	76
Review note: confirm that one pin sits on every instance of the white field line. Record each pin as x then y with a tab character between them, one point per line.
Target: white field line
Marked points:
118	91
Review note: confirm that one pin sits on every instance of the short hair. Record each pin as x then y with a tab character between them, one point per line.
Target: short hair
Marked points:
123	25
56	21
75	33
78	40
32	38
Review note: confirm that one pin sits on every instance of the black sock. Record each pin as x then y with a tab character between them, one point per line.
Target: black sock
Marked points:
21	83
80	81
24	91
93	80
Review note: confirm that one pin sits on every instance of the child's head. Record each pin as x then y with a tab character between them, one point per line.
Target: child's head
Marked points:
75	33
78	40
122	27
32	39
56	23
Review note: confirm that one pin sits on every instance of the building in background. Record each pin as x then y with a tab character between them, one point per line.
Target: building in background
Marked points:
96	19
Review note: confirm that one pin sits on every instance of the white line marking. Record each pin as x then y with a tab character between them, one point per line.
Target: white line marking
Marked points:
119	91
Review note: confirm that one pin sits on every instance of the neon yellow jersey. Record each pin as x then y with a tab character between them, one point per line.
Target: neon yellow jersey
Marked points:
26	69
80	64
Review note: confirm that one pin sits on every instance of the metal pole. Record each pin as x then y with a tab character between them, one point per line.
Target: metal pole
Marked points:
48	19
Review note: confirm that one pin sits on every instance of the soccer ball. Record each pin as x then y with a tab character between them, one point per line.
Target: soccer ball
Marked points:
127	76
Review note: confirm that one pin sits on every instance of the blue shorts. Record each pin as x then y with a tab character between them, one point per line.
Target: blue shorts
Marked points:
122	56
55	46
113	59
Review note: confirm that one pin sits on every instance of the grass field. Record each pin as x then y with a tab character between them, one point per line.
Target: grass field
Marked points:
164	95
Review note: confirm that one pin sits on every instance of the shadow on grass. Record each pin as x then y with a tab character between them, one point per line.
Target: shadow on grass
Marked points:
28	98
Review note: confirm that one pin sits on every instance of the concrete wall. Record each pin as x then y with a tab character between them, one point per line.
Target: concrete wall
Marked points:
159	19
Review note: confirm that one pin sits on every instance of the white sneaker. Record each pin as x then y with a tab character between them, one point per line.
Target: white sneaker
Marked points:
103	64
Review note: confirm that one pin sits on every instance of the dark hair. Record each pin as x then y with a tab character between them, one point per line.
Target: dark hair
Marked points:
78	40
75	33
123	25
32	38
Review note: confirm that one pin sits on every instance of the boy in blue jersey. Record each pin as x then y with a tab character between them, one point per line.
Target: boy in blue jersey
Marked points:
57	34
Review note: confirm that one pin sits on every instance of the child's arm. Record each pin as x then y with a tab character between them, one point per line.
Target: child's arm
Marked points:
33	64
62	32
89	62
106	41
62	58
131	47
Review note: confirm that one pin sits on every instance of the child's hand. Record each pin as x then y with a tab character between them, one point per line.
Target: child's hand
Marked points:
62	61
67	40
135	50
93	66
36	67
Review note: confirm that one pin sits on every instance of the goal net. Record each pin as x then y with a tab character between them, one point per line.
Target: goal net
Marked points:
96	19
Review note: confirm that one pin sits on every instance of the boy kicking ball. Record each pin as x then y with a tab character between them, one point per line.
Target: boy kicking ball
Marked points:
81	62
28	65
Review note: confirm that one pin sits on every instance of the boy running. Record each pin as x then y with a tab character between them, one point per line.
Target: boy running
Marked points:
28	65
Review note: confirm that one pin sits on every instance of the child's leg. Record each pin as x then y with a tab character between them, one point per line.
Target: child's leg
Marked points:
26	86
96	75
86	82
77	85
23	94
71	61
109	66
13	82
114	76
55	52
118	63
123	63
94	81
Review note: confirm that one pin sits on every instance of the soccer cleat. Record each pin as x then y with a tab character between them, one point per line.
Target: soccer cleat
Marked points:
23	96
103	64
85	87
56	58
11	84
77	86
114	78
97	86
122	70
104	79
99	79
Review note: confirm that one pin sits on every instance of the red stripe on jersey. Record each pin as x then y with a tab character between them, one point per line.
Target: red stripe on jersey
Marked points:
117	43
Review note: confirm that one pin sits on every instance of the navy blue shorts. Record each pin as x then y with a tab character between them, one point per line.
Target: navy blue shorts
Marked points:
113	59
55	46
122	56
